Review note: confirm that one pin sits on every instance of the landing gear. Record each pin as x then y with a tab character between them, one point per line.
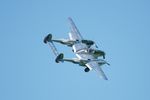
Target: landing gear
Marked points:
48	38
86	69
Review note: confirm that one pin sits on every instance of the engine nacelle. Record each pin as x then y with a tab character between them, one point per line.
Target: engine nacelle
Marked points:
99	53
88	42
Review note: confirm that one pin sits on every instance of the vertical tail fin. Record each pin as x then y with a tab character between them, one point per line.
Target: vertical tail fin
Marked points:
48	38
59	58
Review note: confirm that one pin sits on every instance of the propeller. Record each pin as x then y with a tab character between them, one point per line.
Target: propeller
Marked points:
95	45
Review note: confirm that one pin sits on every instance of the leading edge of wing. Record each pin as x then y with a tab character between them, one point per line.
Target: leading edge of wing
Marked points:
94	65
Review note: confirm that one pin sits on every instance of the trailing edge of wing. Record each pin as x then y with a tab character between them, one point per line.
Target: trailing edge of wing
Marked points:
97	68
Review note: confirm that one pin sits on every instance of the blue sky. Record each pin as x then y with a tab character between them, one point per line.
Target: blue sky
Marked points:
27	69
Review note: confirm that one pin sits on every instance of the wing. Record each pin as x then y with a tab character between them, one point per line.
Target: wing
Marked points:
74	34
94	65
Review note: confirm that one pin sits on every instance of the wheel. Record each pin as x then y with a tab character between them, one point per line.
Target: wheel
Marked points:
72	50
86	69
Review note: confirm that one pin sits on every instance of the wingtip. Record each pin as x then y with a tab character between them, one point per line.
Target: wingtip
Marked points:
106	79
69	18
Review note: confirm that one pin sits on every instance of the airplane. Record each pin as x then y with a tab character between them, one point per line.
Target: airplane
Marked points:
86	56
